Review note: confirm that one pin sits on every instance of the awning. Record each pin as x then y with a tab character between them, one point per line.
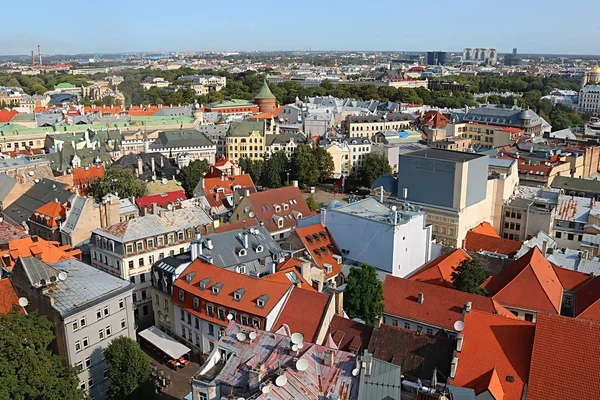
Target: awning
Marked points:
164	342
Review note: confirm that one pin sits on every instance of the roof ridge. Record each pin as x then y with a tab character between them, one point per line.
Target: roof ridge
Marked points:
540	282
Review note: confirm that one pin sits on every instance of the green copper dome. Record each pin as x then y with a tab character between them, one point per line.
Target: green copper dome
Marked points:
265	92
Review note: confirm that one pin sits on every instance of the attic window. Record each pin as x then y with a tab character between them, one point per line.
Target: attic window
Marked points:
238	294
242	252
204	283
309	239
190	276
259	248
285	206
220	190
217	288
328	267
277	207
280	222
181	295
318	253
262	300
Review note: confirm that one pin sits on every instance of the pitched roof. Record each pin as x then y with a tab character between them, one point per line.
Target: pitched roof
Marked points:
50	213
416	353
47	251
292	276
350	335
229	282
495	342
529	283
482	242
564	362
587	300
485	228
8	296
433	119
264	206
161	200
250	222
439	271
39	194
10	232
6	115
304	312
82	176
441	307
317	240
217	190
289	264
571	280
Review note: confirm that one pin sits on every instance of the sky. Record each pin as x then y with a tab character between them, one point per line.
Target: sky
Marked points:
110	26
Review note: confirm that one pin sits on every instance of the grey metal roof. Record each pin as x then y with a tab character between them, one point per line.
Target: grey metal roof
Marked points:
126	206
84	286
245	128
285	139
373	210
152	224
226	247
348	264
39	274
172	263
384	382
576	184
39	194
182	138
449	155
21	161
74	215
502	116
6	185
185	111
501	162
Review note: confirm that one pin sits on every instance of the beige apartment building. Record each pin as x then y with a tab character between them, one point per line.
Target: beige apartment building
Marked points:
246	139
369	125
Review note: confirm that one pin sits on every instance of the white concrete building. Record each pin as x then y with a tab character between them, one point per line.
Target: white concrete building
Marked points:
589	99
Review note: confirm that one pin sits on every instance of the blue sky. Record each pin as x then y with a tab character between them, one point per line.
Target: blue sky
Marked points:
69	26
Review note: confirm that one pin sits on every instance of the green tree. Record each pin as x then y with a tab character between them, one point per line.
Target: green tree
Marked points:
305	166
312	203
324	163
28	369
117	180
373	166
363	297
253	168
128	367
468	276
274	170
191	174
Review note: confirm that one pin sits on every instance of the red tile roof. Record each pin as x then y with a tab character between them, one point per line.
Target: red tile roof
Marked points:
143	111
433	119
263	205
569	279
564	363
441	307
439	271
8	296
49	214
6	115
346	333
83	176
282	277
217	189
482	242
231	282
47	251
11	232
485	228
236	225
304	312
289	263
104	110
161	200
587	300
317	240
528	283
493	342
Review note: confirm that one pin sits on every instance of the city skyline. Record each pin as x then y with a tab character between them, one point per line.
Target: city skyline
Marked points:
119	27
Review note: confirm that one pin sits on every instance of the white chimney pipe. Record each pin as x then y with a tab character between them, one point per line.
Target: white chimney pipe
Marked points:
421	298
245	240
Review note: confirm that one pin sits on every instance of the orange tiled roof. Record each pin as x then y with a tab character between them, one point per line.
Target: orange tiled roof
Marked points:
47	251
485	229
143	111
492	345
317	240
48	214
281	277
263	206
482	242
289	263
82	176
8	296
569	279
103	110
349	335
564	362
441	306
6	115
587	300
529	283
231	282
303	312
236	225
217	189
433	119
222	161
439	271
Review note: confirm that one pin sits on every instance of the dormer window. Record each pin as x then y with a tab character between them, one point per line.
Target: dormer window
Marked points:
262	301
328	267
189	277
285	206
216	289
280	222
259	248
277	207
238	294
204	283
242	252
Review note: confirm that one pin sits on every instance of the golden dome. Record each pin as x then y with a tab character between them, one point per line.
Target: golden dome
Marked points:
596	69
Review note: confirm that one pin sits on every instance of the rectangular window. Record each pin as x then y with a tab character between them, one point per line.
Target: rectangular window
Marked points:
100	334
140	246
245	320
142	278
98	314
429	331
88	362
108	331
221	315
221	332
79	366
210	310
141	261
123	324
161	256
189	318
528	317
150	259
182	314
106	311
75	325
131	264
91	383
558	235
77	345
134	295
394	322
570	236
256	323
580	238
144	294
406	325
196	304
211	329
181	295
196	323
86	342
121	304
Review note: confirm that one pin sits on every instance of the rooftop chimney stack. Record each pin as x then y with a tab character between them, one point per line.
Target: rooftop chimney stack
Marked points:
421	298
40	54
245	240
544	247
468	306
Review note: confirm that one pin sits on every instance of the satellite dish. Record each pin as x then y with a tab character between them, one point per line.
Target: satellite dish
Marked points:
300	345
241	336
355	372
252	214
23	302
281	380
170	207
230	316
266	389
297	338
394	208
302	365
459	326
294	347
31	173
252	335
62	276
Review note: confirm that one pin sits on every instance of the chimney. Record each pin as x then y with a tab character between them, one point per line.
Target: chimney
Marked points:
155	208
247	192
153	164
459	342
162	162
339	303
34	238
323	217
405	193
245	240
140	166
196	246
32	59
328	357
468	306
421	298
209	244
7	261
367	363
453	367
544	247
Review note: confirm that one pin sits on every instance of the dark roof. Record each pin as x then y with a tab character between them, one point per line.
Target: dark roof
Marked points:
182	138
448	155
245	128
169	169
502	116
6	184
576	184
39	194
416	353
347	334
